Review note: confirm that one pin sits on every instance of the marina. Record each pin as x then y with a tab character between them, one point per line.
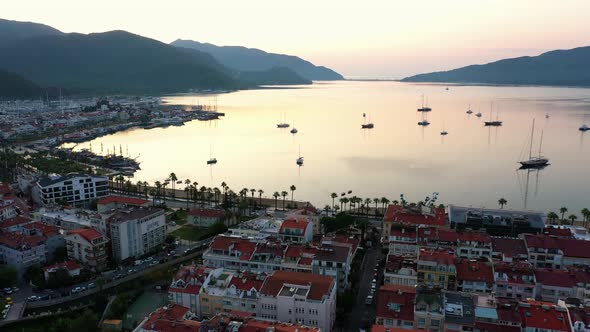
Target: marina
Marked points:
396	156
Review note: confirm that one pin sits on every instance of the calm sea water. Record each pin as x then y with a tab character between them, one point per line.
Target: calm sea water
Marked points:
472	165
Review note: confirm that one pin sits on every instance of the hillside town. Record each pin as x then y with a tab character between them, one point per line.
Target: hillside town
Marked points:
65	239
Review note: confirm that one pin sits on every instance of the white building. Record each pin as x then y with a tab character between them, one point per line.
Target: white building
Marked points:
76	189
298	298
89	247
295	230
136	232
22	251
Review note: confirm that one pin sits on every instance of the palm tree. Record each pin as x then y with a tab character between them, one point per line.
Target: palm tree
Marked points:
573	218
138	186
202	192
585	215
128	186
292	188
260	192
344	200
562	210
333	195
173	179
276	196
158	186
326	209
384	201
145	188
376	201
368	204
336	208
120	180
164	184
217	194
502	202
284	194
552	216
186	193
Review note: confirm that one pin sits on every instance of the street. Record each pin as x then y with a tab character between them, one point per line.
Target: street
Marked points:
363	315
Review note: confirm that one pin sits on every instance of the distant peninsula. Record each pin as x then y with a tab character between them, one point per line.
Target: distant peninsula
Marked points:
556	68
250	59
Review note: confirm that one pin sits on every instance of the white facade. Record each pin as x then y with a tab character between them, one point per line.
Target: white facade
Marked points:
297	309
7	210
23	256
88	249
76	189
136	232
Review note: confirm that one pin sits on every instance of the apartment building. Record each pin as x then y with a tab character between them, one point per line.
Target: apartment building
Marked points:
22	251
75	189
89	247
135	232
395	306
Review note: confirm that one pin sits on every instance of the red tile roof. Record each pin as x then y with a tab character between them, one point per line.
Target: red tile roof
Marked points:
122	200
320	286
382	328
556	278
293	224
402	296
45	228
543	315
170	318
209	213
570	247
18	220
514	271
509	247
87	233
68	265
440	257
395	263
560	232
18	240
399	214
189	289
474	270
247	281
254	325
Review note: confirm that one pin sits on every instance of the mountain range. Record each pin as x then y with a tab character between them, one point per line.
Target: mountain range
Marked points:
251	59
558	68
36	56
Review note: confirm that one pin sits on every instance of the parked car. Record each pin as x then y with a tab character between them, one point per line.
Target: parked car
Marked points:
369	300
91	285
8	300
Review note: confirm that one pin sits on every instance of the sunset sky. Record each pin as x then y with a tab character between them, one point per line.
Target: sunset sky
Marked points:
368	39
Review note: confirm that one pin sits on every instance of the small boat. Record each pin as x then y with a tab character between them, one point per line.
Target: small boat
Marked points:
423	123
211	161
534	161
584	128
469	111
493	123
424	107
294	131
367	126
299	160
478	114
283	125
444	133
546	116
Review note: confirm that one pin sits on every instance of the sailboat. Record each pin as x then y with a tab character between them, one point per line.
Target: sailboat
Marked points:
478	114
211	160
283	125
584	127
366	125
535	161
495	123
294	130
424	107
299	160
444	132
469	111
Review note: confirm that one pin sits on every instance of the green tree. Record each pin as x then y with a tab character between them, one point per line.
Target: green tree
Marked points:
502	202
562	210
573	218
333	195
276	197
8	276
585	215
173	178
260	192
284	194
292	188
552	216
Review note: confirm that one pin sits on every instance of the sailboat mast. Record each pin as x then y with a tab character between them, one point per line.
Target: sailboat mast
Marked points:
531	145
540	144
